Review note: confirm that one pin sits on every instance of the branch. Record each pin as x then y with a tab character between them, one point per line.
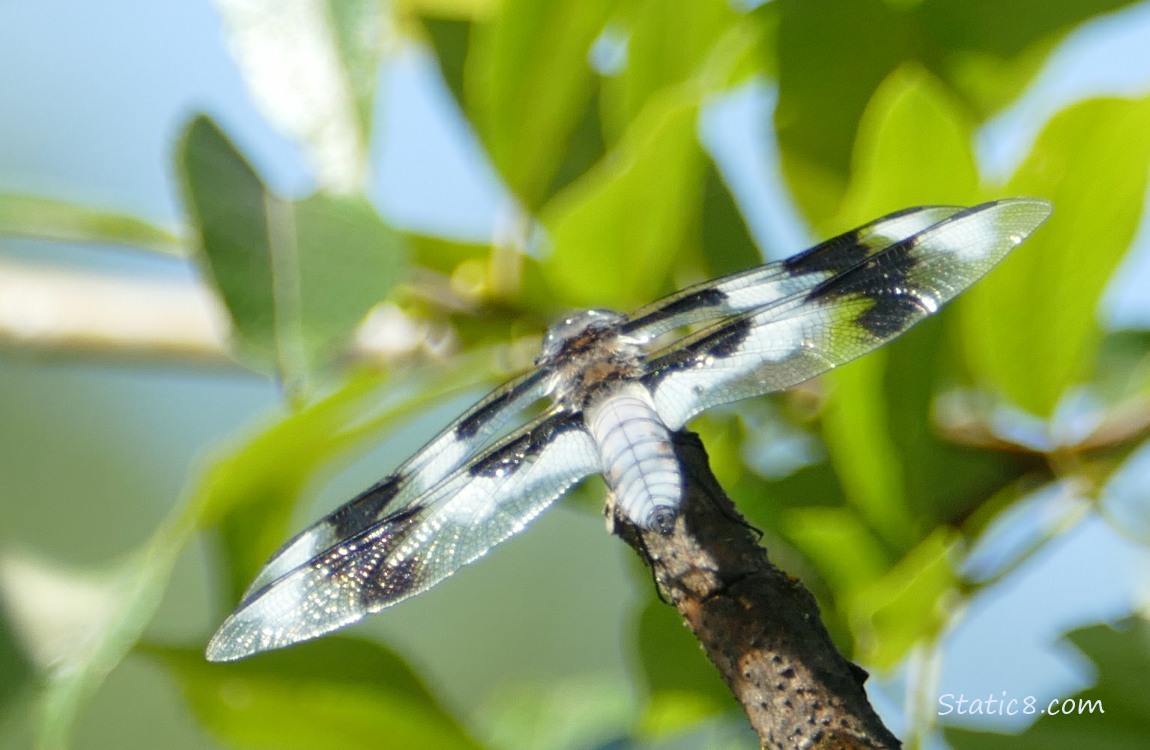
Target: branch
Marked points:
758	625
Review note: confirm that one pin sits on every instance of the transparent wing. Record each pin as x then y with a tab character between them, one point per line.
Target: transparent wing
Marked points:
444	454
857	308
418	545
764	285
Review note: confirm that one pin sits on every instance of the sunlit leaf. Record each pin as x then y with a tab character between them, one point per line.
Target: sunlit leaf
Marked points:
1114	713
585	711
125	595
833	56
1031	328
312	69
295	276
616	232
915	147
527	82
907	604
992	49
32	216
456	9
667	44
334	693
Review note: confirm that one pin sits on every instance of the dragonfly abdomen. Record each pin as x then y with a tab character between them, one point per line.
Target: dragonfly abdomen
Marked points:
637	457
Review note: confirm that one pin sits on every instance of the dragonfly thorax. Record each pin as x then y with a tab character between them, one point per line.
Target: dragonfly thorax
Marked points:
587	354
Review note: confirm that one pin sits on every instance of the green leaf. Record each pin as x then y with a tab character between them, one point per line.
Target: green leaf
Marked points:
45	218
271	466
915	147
232	213
911	602
359	35
296	277
107	609
334	693
586	711
527	83
677	673
1031	328
616	232
312	69
726	239
1115	711
833	55
844	549
450	39
857	434
14	664
667	45
348	260
825	83
920	365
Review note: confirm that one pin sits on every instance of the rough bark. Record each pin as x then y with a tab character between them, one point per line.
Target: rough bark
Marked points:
758	625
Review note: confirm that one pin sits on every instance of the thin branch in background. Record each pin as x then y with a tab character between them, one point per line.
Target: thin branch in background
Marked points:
759	626
91	314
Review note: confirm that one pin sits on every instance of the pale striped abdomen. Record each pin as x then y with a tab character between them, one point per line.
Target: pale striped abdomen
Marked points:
637	457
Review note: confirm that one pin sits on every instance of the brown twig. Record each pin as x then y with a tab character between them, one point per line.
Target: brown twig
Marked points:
758	625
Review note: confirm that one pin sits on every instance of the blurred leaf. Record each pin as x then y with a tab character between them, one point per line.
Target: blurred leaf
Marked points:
128	592
990	50
583	149
251	479
727	242
450	38
842	546
915	147
667	43
312	69
857	435
617	231
449	9
45	218
1031	328
335	692
581	712
527	83
833	55
683	686
233	214
942	481
907	604
14	664
348	260
1120	719
296	276
359	34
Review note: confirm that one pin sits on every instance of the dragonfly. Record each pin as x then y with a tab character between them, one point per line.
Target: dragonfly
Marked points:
615	390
